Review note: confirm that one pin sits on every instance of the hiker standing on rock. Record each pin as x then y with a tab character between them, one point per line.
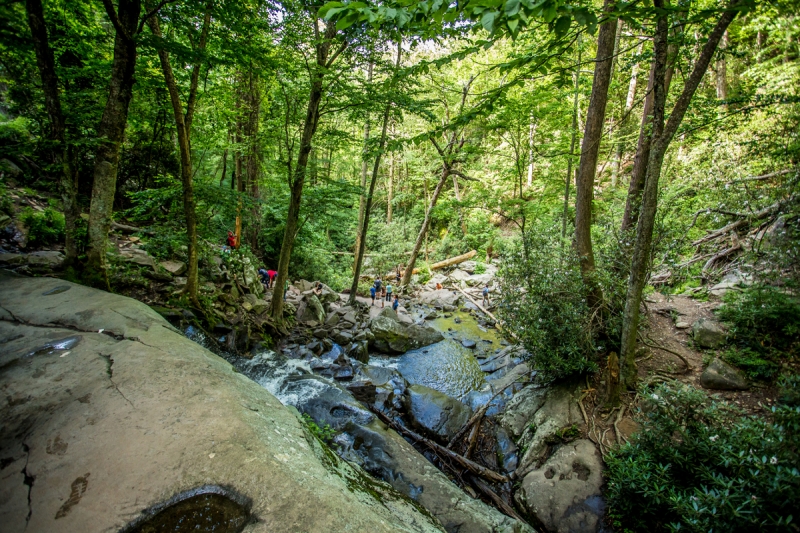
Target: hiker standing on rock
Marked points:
383	297
396	303
486	302
372	293
388	292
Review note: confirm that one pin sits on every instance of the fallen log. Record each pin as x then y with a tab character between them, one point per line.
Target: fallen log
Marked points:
767	211
479	414
471	466
449	262
125	228
720	255
499	502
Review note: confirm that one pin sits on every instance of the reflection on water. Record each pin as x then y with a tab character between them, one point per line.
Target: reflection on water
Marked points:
448	366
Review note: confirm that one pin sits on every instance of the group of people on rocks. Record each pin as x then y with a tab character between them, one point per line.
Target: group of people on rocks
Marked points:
383	292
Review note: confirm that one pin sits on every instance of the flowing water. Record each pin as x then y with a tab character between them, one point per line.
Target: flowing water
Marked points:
448	366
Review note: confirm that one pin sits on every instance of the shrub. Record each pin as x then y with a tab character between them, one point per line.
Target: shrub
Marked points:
543	302
752	362
763	317
44	227
700	465
325	433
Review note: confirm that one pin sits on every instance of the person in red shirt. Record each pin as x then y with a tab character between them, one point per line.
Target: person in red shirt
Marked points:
272	274
231	239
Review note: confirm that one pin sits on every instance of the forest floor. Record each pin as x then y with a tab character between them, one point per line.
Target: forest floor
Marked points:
668	329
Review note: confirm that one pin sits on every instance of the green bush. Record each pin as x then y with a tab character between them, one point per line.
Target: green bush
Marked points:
764	323
325	433
752	362
6	204
701	465
44	227
543	302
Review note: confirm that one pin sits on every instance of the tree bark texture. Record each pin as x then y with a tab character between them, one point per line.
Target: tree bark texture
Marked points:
297	180
662	136
571	145
183	125
590	148
368	206
58	128
362	198
110	133
622	127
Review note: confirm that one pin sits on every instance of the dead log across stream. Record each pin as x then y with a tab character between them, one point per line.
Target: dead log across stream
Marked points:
449	262
475	468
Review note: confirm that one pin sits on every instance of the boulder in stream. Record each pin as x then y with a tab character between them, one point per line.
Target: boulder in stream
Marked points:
390	336
434	412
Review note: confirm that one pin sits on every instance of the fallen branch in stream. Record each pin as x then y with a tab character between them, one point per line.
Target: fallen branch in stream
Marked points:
498	322
475	468
499	502
477	416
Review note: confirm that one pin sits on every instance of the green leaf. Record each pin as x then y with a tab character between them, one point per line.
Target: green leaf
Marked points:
513	24
487	20
330	9
512	7
562	25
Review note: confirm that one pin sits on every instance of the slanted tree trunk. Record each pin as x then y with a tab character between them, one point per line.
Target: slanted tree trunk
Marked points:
362	198
571	145
58	128
110	133
425	224
183	124
322	65
590	148
373	180
662	136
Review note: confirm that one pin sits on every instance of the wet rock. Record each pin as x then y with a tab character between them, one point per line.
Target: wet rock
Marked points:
359	351
390	336
534	415
719	375
176	268
506	451
12	260
468	343
333	319
564	494
137	257
434	412
388	312
343	337
143	432
439	298
343	373
707	333
320	333
45	259
311	310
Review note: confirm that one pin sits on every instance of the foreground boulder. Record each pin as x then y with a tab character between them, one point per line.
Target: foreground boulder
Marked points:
707	333
564	494
434	412
390	336
112	413
440	298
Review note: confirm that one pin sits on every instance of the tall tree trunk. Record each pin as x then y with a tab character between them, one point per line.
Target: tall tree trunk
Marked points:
531	133
425	224
58	127
110	133
323	63
622	128
590	148
390	188
642	157
373	180
224	166
183	126
362	198
571	144
662	136
253	98
721	72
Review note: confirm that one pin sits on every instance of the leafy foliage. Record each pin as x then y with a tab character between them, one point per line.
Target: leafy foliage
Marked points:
325	433
701	465
543	303
44	227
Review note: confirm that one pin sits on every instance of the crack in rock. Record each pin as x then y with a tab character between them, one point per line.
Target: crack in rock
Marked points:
110	372
28	480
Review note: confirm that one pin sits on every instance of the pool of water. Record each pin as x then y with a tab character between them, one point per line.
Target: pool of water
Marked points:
448	366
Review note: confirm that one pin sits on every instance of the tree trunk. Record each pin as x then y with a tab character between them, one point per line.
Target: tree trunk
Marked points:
425	223
593	134
571	145
623	123
362	199
721	72
183	127
373	180
322	47
390	190
58	128
224	166
531	133
251	157
110	133
662	136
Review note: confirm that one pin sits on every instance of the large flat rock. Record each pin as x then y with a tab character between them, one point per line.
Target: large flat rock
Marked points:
103	425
